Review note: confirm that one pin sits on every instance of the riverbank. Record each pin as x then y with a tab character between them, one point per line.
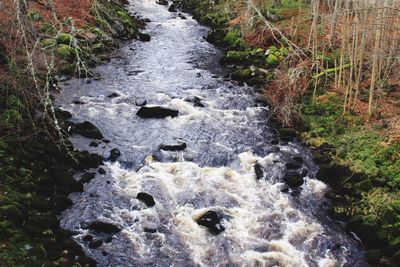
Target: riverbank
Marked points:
358	157
42	45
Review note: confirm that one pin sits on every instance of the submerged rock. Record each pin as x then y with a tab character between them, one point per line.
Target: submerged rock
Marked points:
156	112
212	221
178	147
146	198
195	100
104	227
140	102
113	95
88	130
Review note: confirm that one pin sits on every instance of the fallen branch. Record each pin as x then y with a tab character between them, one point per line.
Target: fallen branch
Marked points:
329	71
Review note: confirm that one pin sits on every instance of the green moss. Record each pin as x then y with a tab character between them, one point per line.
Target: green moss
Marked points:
65	51
233	38
48	42
271	60
64	38
34	15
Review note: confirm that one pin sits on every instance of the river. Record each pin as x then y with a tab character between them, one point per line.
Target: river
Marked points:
229	143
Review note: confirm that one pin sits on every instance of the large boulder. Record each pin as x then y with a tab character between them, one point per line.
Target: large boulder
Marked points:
156	112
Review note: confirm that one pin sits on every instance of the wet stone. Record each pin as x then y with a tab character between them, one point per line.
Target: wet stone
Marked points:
144	37
293	180
195	100
258	169
103	227
178	147
149	230
292	166
95	243
212	221
162	2
87	177
172	8
113	95
114	154
101	171
88	238
156	112
88	130
146	198
94	144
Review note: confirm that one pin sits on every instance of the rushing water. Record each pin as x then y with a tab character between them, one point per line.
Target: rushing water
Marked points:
263	225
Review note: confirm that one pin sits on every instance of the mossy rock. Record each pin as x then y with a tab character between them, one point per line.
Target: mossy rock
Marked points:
244	74
237	56
48	42
65	51
233	38
271	60
64	38
98	47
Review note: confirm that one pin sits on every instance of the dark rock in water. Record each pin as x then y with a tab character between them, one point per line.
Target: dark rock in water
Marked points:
292	166
285	189
78	102
304	172
149	230
101	171
298	159
94	144
212	221
95	243
144	37
103	227
287	134
216	37
106	141
156	112
181	16
333	174
104	253
146	198
162	2
87	177
114	154
88	160
140	102
87	238
108	239
258	169
113	95
195	100
174	147
88	130
274	142
62	114
293	180
274	149
172	8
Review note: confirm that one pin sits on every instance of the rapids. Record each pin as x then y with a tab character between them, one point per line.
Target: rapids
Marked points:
263	225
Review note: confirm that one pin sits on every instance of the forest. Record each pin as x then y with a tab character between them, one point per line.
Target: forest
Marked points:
199	133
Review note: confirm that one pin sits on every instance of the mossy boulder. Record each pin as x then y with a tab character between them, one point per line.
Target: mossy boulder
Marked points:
233	38
271	60
48	42
244	74
65	51
64	38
